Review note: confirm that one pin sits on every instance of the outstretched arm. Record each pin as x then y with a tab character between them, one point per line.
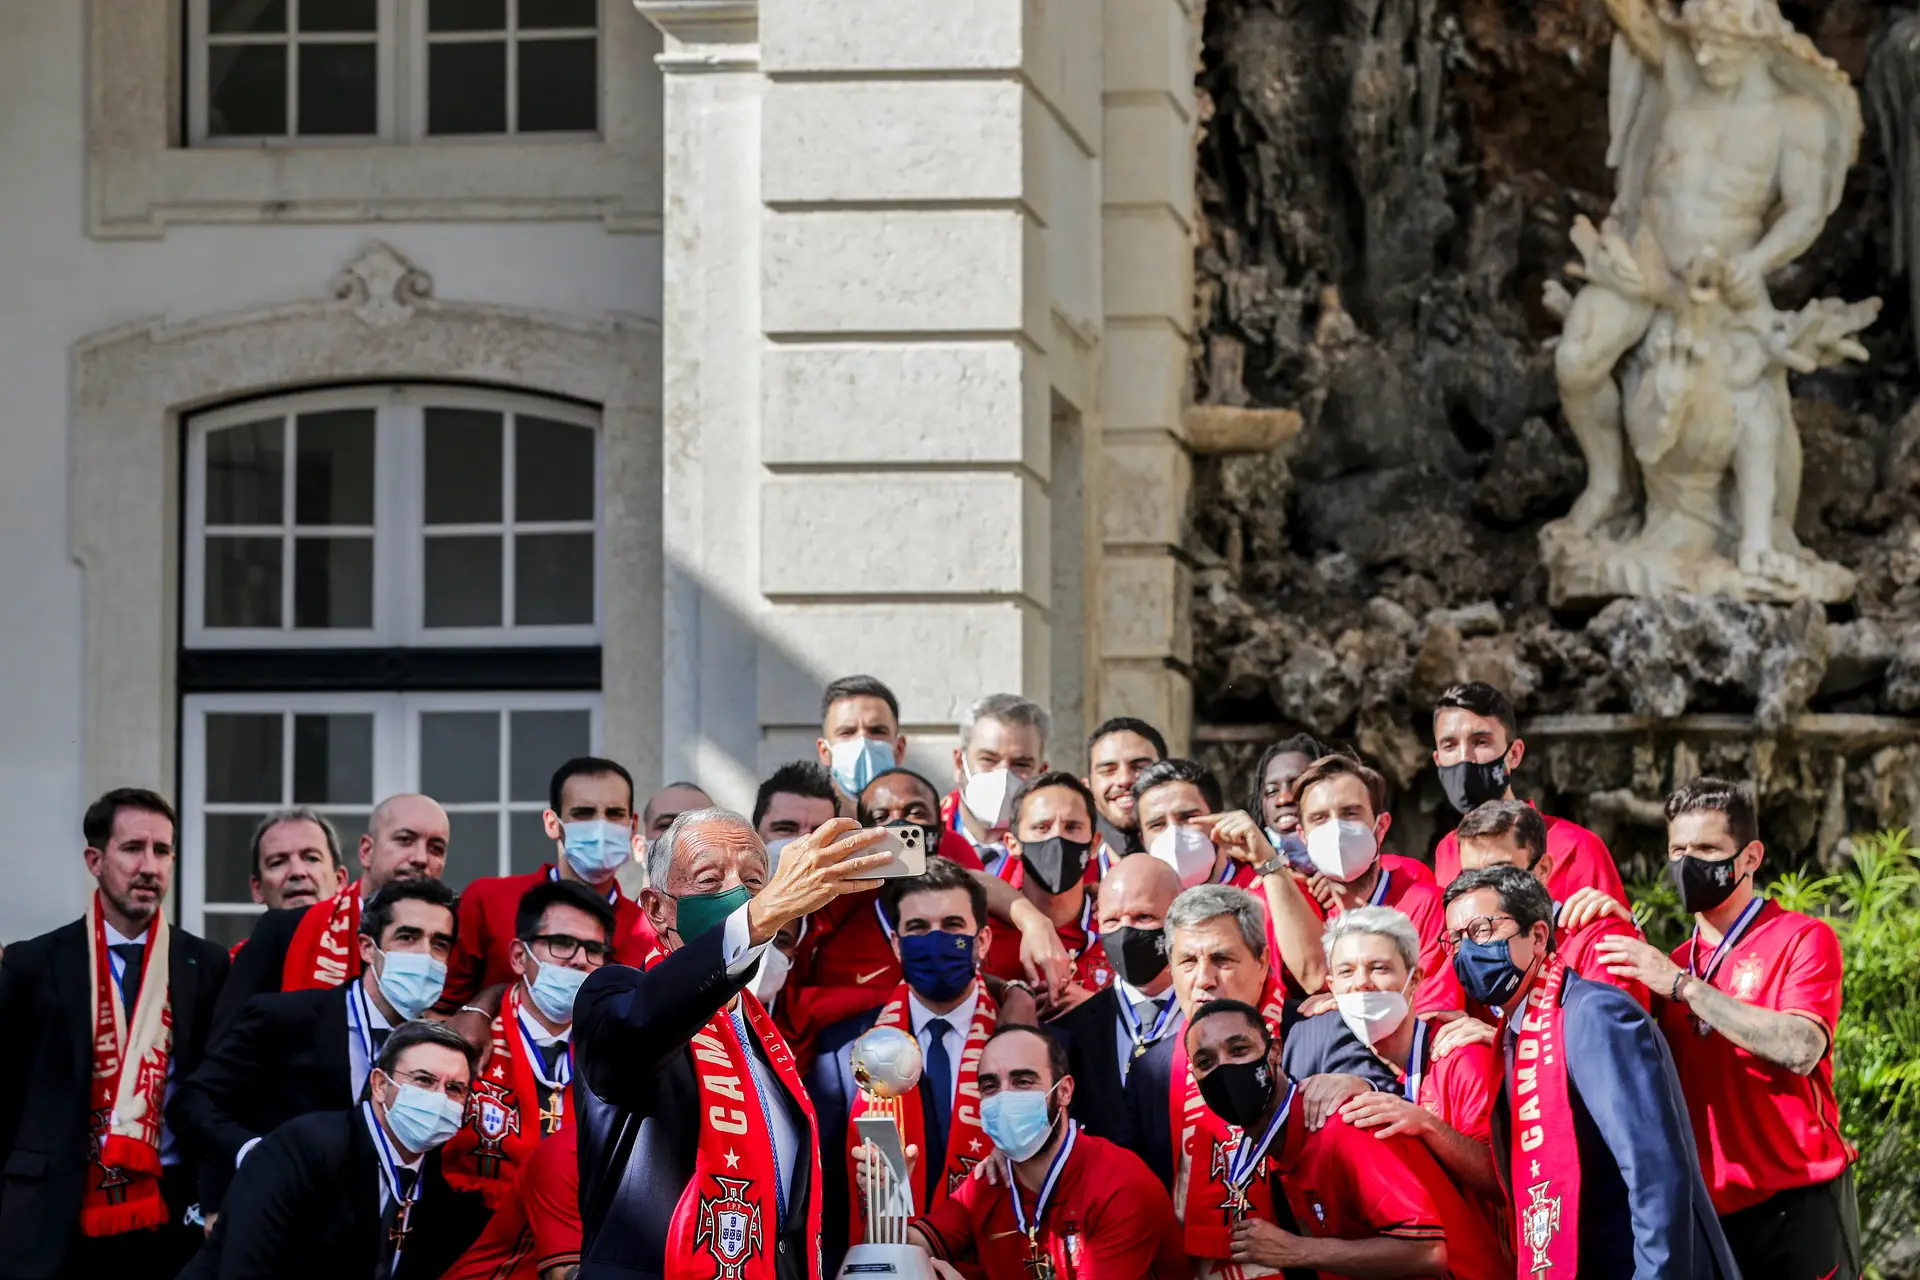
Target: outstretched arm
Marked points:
1792	1040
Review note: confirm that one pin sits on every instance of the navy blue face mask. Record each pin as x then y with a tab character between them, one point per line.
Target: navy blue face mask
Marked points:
938	966
1487	972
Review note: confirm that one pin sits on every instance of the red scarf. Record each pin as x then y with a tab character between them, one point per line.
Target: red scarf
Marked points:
504	1121
1208	1143
1543	1179
966	1140
323	952
130	1052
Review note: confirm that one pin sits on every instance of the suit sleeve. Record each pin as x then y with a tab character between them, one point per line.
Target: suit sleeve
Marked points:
830	1107
18	1015
1124	1239
468	963
1619	1062
1146	1105
628	1023
262	1217
201	1114
256	971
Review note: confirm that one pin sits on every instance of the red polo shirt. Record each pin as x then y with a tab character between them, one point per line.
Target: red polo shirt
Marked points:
1108	1219
1459	1089
487	909
1762	1129
1411	868
1580	861
539	1225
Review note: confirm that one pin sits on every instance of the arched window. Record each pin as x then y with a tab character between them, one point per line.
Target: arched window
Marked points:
385	589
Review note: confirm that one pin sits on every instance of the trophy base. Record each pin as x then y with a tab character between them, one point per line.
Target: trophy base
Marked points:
886	1262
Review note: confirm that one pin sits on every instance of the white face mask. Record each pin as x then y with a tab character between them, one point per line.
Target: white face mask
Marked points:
1372	1016
770	976
986	795
1188	850
1342	850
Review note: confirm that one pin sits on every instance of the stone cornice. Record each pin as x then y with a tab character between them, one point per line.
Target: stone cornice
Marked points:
704	22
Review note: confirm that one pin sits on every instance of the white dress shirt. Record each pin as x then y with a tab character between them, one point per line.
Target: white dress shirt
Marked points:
360	1064
958	1020
736	946
169	1150
1132	995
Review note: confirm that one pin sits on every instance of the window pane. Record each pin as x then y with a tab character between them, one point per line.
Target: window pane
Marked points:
463	483
338	15
542	742
247	91
243	473
558	13
333	582
339	93
473	848
467	15
467	88
530	846
463	582
333	477
557	88
350	825
553	579
243	758
243	583
242	16
552	470
229	860
460	756
226	929
333	759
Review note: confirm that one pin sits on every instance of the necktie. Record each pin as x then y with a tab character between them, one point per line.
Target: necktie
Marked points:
392	1237
551	1055
938	1078
135	955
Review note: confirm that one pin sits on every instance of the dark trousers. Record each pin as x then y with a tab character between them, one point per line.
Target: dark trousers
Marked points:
160	1252
1808	1233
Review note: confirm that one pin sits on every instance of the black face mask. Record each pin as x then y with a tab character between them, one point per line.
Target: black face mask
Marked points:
1137	955
1471	783
1123	840
1056	863
1704	884
1238	1092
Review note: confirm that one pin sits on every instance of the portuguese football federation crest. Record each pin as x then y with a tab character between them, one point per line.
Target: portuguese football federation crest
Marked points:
729	1226
1539	1220
495	1119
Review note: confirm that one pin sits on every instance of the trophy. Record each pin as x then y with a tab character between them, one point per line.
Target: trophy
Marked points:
886	1067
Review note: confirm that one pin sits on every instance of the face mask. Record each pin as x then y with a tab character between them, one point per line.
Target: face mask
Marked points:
1057	863
770	976
422	1120
937	965
1018	1120
596	848
1137	955
1342	850
1704	883
700	912
1487	972
1290	846
987	794
553	989
1372	1016
1471	783
1188	850
411	981
858	761
774	849
1238	1092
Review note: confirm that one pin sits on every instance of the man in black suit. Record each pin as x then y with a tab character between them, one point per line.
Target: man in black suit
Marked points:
290	1053
1106	1033
357	1194
51	1129
665	1142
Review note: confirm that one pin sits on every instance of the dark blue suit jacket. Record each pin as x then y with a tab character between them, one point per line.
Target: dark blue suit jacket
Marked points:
1644	1209
833	1107
638	1108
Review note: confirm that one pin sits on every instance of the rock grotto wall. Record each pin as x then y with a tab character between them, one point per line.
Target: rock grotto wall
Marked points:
1386	185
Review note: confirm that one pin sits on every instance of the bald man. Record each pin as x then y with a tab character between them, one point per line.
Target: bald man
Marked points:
1119	1023
668	803
303	948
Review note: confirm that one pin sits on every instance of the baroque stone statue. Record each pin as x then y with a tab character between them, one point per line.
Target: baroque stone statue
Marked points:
1731	136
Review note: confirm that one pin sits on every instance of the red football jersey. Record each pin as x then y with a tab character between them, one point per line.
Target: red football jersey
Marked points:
487	908
1109	1219
1578	951
1411	868
1580	861
1760	1128
539	1225
1417	900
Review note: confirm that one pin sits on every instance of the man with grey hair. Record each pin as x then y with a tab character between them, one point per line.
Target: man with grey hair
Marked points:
1003	743
697	1140
295	854
1217	949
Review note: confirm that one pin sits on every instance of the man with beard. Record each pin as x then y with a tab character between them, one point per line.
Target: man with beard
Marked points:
103	1015
296	860
1117	752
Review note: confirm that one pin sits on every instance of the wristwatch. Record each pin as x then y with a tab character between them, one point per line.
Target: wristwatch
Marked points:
1272	866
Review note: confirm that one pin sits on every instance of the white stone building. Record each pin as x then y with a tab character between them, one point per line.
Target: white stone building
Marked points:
408	393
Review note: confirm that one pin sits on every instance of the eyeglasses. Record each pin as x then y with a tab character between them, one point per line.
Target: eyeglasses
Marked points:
564	947
433	1084
1479	929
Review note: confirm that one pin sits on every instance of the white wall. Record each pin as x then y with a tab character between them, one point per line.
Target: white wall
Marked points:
58	286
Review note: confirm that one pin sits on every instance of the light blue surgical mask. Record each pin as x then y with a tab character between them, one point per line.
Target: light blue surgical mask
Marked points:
422	1120
1018	1120
858	761
596	848
411	981
553	990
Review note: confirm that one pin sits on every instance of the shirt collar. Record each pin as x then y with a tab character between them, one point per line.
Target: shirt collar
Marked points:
959	1018
373	1128
1134	995
376	1020
117	939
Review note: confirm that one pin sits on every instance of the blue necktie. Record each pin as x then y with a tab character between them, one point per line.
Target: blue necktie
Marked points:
937	1079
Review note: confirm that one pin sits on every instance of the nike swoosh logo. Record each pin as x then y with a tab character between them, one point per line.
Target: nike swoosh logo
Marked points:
861	980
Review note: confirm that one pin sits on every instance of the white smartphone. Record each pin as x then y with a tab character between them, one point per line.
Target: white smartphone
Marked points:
908	846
